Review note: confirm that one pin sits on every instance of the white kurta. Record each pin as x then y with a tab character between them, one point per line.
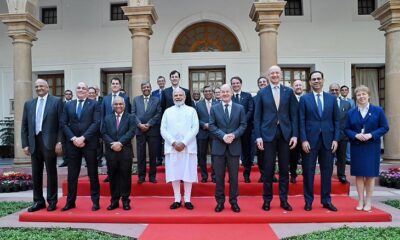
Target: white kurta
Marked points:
180	124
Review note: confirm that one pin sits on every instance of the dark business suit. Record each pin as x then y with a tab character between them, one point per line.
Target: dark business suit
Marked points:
64	145
167	99
246	100
106	104
88	126
158	94
344	108
204	138
320	132
120	163
150	116
227	155
100	152
276	126
42	146
295	153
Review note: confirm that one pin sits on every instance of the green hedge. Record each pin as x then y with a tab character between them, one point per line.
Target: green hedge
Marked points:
7	208
393	203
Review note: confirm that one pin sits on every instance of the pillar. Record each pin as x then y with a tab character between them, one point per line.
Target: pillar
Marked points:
389	16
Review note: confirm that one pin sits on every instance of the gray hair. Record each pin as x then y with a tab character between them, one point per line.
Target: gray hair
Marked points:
179	90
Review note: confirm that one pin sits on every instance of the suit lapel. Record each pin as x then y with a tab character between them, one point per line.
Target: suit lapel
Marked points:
33	107
271	95
314	104
47	107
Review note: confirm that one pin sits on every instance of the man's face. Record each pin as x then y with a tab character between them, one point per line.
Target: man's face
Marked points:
217	93
274	74
97	90
81	91
41	87
175	79
68	95
226	93
317	82
179	98
92	94
236	85
262	83
344	92
161	83
119	105
196	95
115	86
298	87
334	90
146	89
208	93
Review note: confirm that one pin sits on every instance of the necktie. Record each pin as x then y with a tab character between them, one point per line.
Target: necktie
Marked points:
112	100
208	106
319	104
117	122
79	109
39	115
226	113
146	101
237	97
277	96
160	93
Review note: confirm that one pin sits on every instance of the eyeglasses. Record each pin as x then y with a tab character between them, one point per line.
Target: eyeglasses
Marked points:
334	90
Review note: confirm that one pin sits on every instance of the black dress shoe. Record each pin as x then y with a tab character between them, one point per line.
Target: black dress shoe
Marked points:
68	206
342	180
153	180
189	205
175	205
274	179
235	207
293	179
308	207
204	180
126	206
36	207
285	205
159	164
113	206
219	207
214	180
107	179
52	207
266	206
63	164
95	207
141	180
247	179
330	206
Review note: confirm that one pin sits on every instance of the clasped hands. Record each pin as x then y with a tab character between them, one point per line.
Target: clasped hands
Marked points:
363	137
229	138
79	141
144	127
116	146
178	146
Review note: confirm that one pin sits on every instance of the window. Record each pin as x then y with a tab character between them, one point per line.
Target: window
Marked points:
198	78
116	13
366	7
56	83
49	15
373	78
292	74
206	37
294	8
124	75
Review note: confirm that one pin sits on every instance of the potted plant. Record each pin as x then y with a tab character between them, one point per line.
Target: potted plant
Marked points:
7	137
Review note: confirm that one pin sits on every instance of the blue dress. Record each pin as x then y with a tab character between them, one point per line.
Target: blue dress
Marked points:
365	156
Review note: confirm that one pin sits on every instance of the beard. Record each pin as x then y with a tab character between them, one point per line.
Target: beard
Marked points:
179	103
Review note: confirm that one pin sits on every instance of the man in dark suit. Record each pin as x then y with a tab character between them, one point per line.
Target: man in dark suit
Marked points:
276	129
246	100
344	107
319	134
99	156
196	96
146	110
68	95
41	136
81	121
204	138
217	94
295	153
227	125
167	98
118	131
158	94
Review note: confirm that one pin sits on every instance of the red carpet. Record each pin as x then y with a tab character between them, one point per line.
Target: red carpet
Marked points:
156	210
208	231
206	189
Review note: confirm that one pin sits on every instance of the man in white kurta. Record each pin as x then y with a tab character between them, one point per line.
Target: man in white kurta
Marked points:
179	127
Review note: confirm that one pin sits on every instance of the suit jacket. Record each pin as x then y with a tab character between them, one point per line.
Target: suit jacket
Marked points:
157	94
107	108
87	125
219	127
123	134
152	115
51	123
246	100
375	122
267	116
167	99
344	108
204	117
312	125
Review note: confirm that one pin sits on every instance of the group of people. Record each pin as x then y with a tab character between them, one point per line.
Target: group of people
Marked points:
280	124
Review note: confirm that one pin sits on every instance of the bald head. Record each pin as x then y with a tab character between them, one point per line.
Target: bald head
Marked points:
274	74
226	93
298	87
41	87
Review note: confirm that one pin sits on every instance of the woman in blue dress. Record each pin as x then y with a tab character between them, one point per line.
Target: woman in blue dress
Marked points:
365	126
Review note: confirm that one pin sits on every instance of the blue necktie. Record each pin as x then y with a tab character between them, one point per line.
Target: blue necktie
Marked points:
319	104
39	114
226	113
79	109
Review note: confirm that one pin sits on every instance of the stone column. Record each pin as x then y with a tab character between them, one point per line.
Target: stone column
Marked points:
141	17
22	28
267	14
389	16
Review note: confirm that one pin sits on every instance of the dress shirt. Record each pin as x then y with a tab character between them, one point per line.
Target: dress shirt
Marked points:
321	98
363	110
229	107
